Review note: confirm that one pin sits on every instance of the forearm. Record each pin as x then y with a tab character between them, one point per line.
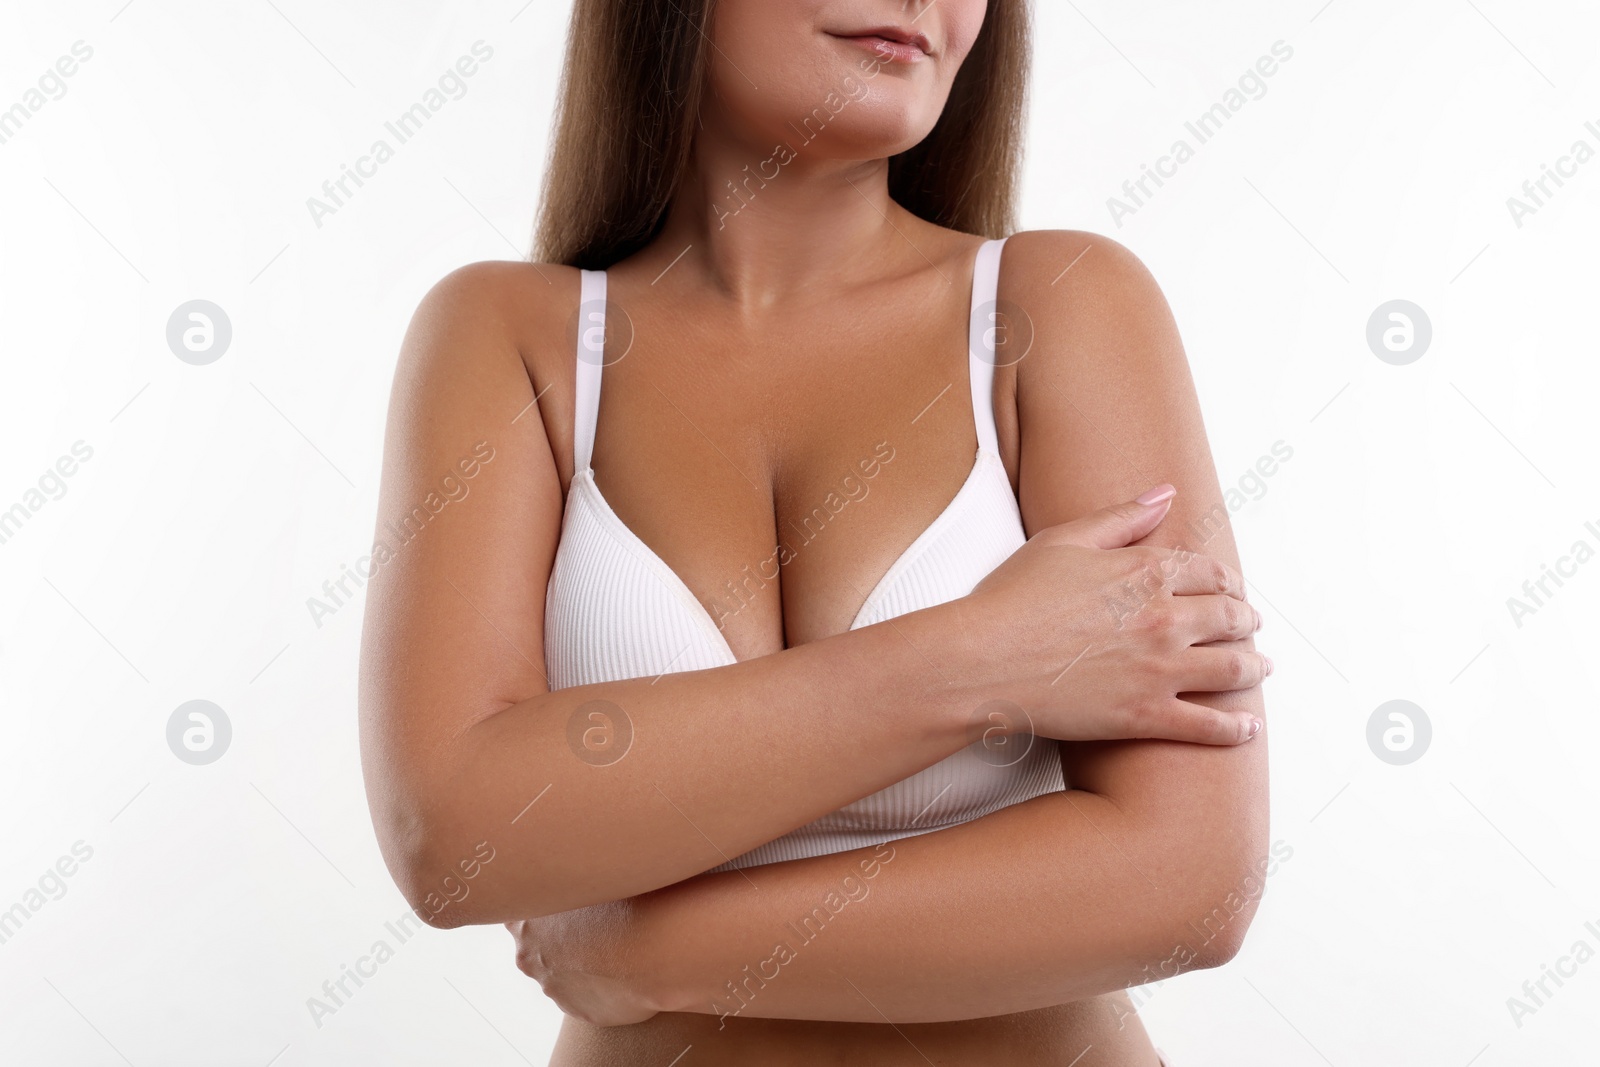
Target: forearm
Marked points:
700	767
1056	899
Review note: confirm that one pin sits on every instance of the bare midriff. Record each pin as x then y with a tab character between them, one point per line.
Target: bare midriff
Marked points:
1102	1032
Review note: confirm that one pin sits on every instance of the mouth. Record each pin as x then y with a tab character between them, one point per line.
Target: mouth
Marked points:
891	43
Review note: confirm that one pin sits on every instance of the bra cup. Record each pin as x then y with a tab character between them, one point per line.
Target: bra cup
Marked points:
614	609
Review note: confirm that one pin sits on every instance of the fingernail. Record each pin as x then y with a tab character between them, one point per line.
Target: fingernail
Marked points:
1269	662
1255	728
1156	495
1258	625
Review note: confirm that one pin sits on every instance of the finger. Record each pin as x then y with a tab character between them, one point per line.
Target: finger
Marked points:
1220	670
1121	524
1190	574
1213	617
1183	720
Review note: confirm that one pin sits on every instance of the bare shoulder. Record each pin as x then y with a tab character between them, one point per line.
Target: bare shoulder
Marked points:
497	326
1104	389
1092	306
1054	269
511	302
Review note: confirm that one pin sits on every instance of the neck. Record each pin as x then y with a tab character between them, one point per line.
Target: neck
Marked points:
757	225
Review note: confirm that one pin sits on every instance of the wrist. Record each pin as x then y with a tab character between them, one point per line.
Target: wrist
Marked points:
944	677
656	974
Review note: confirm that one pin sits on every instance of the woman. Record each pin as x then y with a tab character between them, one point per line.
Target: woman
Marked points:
711	684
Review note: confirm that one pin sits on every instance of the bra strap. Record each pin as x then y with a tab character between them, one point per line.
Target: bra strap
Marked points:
983	337
590	362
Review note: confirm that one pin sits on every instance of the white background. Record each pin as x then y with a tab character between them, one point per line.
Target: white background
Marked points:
178	562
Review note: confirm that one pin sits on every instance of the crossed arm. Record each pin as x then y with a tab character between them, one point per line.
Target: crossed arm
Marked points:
1148	865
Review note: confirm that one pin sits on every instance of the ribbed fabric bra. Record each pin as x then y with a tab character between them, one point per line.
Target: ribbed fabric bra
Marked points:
615	610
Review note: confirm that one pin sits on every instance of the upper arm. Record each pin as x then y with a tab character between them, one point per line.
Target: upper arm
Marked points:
469	516
1106	404
1107	409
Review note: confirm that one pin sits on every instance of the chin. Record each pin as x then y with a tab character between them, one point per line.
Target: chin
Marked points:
873	128
878	144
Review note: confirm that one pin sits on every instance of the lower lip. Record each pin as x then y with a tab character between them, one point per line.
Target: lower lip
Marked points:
889	51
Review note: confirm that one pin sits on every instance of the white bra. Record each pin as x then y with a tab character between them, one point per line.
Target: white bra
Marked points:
615	610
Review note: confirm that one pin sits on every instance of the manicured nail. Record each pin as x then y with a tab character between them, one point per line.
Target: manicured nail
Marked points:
1255	728
1156	495
1269	662
1258	623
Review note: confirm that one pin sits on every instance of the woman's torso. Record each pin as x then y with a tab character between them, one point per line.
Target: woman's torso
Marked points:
712	440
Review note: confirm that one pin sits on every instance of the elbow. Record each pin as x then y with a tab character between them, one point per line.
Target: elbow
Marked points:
446	893
454	867
451	868
454	878
1220	915
461	882
1222	946
447	875
454	874
1210	934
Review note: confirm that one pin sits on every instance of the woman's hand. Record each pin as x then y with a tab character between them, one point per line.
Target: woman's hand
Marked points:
583	961
1096	641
